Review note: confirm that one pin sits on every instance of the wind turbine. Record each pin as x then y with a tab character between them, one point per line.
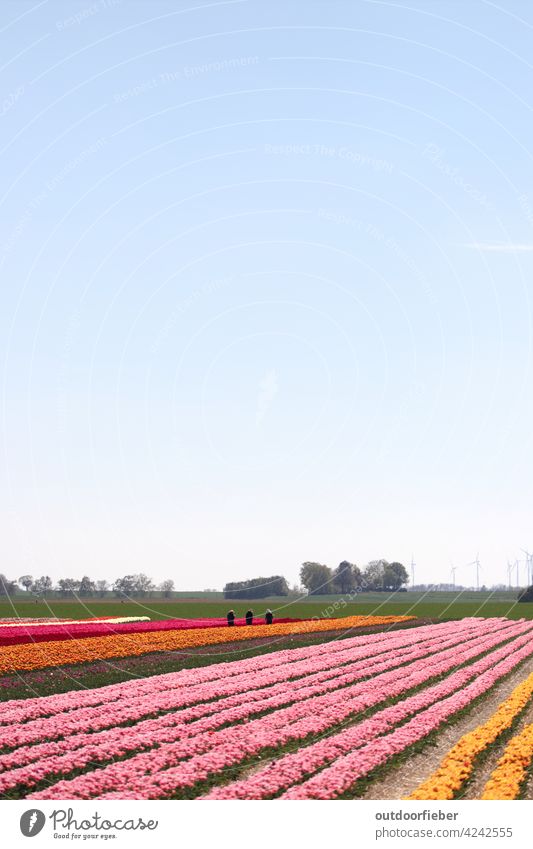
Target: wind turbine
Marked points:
517	565
413	564
476	563
509	571
453	571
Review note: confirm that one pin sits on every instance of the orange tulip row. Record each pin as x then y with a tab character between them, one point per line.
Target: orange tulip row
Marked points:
37	655
459	763
512	768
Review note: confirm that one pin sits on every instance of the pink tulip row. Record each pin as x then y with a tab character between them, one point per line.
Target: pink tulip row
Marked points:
32	633
166	777
175	696
345	771
166	782
81	749
294	767
16	711
160	771
394	651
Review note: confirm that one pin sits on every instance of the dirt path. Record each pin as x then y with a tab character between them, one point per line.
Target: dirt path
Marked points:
400	782
529	788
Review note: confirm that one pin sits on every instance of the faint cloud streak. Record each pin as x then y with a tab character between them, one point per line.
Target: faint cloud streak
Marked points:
500	248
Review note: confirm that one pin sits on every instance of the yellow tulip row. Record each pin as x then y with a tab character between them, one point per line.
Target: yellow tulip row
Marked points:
458	764
512	768
59	652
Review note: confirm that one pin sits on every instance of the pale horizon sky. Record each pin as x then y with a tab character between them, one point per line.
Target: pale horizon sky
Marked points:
266	287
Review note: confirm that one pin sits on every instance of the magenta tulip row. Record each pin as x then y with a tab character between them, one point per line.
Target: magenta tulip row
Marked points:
172	694
16	711
200	750
80	749
16	635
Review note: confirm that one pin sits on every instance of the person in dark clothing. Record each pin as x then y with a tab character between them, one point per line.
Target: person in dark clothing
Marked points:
269	616
231	617
249	616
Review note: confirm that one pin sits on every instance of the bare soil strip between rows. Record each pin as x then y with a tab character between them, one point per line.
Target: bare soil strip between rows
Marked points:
401	781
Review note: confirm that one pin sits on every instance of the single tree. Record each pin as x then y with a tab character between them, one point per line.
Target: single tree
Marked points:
143	584
26	581
346	577
87	586
374	575
395	576
7	587
125	586
316	578
102	586
42	585
167	587
526	594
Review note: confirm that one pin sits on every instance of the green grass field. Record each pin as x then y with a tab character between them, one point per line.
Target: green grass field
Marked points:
435	605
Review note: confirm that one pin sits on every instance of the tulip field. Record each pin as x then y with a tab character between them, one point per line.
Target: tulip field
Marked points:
319	721
113	639
32	632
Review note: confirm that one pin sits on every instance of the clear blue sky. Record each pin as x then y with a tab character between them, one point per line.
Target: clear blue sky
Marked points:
266	286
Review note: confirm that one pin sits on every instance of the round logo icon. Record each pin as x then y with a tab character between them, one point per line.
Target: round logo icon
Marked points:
32	822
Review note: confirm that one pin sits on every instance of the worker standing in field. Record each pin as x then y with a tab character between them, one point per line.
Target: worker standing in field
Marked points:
249	616
231	617
269	616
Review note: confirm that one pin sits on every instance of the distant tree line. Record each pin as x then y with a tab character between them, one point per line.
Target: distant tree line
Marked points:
129	586
376	576
257	588
319	579
315	578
